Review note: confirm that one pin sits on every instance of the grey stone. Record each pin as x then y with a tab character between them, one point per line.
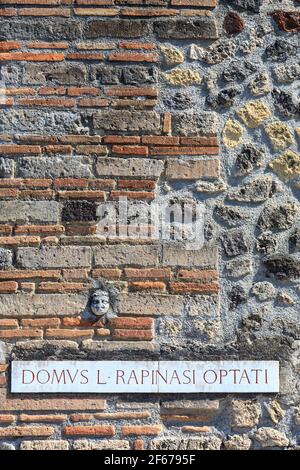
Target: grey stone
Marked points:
116	28
188	443
294	241
29	211
200	28
257	190
266	243
204	408
264	291
235	243
54	29
134	75
120	346
237	296
223	99
104	444
135	167
41	305
194	123
219	51
177	255
44	445
178	100
125	120
204	306
61	74
211	186
150	304
55	167
54	257
282	267
230	215
268	437
287	73
285	103
238	70
278	216
280	50
6	446
239	267
260	84
5	258
251	5
249	158
7	167
111	255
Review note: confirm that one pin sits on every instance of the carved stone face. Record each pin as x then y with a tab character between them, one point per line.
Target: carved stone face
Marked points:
100	303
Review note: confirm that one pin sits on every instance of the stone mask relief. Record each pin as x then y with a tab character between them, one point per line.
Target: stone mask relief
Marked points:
100	305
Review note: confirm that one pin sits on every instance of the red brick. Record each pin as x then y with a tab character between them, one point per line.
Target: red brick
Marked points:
147	286
136	323
20	240
75	274
137	45
81	229
27	431
195	3
130	91
136	184
29	274
8	12
24	418
40	194
70	183
9	45
133	335
40	322
184	151
167	124
48	45
79	322
5	230
9	193
68	403
97	430
133	194
7	419
147	273
78	417
84	56
192	287
130	150
20	334
160	140
65	12
123	415
138	444
8	287
8	323
100	195
198	274
39	229
78	91
79	139
121	139
206	141
55	102
19	91
61	149
20	149
110	273
144	430
133	57
32	57
67	334
3	381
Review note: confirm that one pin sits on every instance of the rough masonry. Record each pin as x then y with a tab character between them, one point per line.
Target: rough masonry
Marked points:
154	100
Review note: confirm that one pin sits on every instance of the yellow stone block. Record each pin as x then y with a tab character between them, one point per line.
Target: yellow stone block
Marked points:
171	55
286	165
96	11
254	113
232	133
279	135
183	77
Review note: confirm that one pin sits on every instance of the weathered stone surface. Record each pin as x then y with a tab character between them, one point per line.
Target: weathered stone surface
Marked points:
238	442
237	296
119	347
192	169
285	103
275	411
219	51
144	255
235	243
287	73
264	291
225	98
238	70
282	267
129	75
61	74
171	55
124	120
288	21
116	28
133	167
42	305
200	28
252	5
203	408
101	445
232	133
239	267
54	29
194	123
5	258
278	216
55	167
183	77
248	158
191	443
280	50
210	186
286	165
176	255
254	113
266	243
39	121
268	437
150	304
53	403
29	211
204	306
245	413
54	257
6	446
6	168
79	211
233	23
178	100
260	84
230	215
257	190
44	445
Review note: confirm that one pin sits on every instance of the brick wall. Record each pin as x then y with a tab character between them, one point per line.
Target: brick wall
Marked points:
107	98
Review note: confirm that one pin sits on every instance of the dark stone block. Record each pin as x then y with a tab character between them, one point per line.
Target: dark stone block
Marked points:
282	267
200	28
80	211
47	30
117	29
